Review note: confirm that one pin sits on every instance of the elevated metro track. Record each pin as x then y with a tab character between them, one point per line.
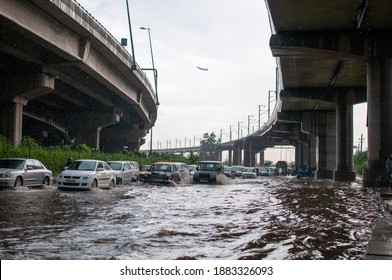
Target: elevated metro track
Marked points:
63	75
331	56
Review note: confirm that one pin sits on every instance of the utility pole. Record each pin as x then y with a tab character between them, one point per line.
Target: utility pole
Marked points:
361	141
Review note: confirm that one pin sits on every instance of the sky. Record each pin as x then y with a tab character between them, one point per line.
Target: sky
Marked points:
230	38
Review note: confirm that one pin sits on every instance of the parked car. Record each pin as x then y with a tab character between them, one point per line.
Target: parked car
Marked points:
165	172
124	172
87	174
229	171
249	172
142	171
16	172
207	171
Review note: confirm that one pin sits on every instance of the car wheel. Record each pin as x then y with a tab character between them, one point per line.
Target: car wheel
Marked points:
94	184
46	181
111	184
18	182
119	181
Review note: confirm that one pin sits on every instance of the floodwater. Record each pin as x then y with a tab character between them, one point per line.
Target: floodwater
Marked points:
263	218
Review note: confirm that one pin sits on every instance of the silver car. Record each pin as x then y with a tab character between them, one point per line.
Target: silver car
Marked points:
125	172
16	172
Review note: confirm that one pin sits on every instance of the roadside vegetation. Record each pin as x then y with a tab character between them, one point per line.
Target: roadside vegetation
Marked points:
54	158
360	162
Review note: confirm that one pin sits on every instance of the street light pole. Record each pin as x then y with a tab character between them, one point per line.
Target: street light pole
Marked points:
269	102
133	66
221	135
153	65
260	114
249	123
155	74
149	37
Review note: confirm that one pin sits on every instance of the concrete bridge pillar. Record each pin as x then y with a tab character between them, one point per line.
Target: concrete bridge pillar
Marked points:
11	120
219	155
379	104
344	139
17	90
322	156
326	158
253	145
230	152
299	158
262	159
237	152
115	137
91	133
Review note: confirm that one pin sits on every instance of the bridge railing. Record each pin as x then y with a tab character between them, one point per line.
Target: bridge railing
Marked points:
87	21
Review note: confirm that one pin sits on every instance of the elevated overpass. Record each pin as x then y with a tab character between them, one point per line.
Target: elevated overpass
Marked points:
63	76
330	56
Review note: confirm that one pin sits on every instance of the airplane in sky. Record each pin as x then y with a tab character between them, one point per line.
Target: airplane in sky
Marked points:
201	68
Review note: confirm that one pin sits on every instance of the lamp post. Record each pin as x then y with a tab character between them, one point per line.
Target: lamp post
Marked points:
155	75
152	60
260	106
133	66
221	135
269	101
249	116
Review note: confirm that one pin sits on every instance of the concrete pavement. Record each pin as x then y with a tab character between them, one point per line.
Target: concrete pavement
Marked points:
380	243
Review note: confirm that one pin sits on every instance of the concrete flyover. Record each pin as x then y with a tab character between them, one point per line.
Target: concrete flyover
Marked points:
64	76
330	56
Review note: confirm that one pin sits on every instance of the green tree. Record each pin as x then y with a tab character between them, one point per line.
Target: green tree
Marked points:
360	161
208	147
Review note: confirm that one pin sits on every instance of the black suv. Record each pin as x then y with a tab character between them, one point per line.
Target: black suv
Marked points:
207	171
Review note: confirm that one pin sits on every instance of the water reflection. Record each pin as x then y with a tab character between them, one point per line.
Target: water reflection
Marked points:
266	218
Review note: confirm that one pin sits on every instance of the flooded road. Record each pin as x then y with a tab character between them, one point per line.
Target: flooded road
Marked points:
264	218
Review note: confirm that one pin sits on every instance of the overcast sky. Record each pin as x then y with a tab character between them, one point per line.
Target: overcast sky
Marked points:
230	38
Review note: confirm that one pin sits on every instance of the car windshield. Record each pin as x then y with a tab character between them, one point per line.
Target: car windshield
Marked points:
115	165
82	165
12	163
208	166
161	167
144	167
191	168
248	170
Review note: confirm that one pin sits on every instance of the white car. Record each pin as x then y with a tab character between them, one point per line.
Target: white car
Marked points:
125	171
249	172
87	174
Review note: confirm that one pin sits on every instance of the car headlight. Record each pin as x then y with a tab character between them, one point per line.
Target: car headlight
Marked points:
212	175
7	175
196	174
86	177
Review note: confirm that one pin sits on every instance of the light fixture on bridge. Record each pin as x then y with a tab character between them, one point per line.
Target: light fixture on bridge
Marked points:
152	60
124	42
